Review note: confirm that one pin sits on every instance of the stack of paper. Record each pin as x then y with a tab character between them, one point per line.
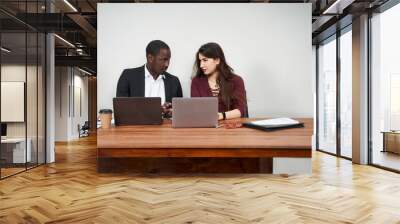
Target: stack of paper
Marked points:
274	124
276	121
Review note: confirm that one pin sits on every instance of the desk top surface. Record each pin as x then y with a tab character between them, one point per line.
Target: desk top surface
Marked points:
164	136
391	132
13	140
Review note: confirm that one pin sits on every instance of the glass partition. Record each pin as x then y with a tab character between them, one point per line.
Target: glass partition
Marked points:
385	89
327	96
22	78
13	98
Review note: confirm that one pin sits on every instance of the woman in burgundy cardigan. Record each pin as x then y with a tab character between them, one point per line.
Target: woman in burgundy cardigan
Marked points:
214	77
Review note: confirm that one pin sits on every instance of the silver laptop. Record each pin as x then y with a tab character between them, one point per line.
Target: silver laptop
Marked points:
196	112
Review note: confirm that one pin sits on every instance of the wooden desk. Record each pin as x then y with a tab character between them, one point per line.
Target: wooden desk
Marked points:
165	141
13	150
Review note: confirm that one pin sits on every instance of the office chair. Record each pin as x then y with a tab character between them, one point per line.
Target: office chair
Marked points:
84	130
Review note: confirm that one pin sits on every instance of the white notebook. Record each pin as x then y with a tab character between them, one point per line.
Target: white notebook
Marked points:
274	124
276	121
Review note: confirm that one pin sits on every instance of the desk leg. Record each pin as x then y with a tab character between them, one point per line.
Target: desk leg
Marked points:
285	165
265	165
384	143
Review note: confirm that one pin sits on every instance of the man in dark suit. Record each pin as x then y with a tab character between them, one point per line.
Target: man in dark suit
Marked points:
151	79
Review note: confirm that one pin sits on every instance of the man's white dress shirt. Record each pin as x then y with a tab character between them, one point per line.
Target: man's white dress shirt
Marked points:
154	88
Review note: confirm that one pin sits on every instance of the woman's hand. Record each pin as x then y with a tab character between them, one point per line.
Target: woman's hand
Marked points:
220	116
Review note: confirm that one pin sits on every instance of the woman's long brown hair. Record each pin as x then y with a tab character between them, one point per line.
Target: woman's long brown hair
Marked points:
214	51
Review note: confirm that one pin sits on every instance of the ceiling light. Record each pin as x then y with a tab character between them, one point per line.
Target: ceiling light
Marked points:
86	72
5	50
329	9
70	5
338	6
65	41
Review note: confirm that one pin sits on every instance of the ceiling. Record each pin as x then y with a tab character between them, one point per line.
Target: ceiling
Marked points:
76	22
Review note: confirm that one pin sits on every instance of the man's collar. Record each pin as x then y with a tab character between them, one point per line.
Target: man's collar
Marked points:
147	74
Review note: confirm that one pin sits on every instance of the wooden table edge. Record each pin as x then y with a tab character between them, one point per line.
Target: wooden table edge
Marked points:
203	152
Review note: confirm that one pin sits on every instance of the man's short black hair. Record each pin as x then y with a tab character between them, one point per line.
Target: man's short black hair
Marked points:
155	46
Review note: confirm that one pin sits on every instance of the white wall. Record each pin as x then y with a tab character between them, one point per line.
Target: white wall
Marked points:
80	102
68	82
61	103
269	45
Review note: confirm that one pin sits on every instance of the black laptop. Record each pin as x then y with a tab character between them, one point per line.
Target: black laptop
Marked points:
137	110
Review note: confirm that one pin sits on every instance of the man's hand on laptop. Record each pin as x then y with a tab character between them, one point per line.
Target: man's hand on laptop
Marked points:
166	110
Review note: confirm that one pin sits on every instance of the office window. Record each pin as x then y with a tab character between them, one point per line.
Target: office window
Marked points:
346	93
385	88
327	96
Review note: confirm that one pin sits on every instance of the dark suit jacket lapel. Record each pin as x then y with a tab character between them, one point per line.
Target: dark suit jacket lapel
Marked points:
167	87
140	82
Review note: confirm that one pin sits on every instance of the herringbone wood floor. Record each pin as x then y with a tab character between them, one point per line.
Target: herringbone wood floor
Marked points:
71	191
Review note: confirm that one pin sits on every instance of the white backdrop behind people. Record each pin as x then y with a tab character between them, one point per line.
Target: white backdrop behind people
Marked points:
268	45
